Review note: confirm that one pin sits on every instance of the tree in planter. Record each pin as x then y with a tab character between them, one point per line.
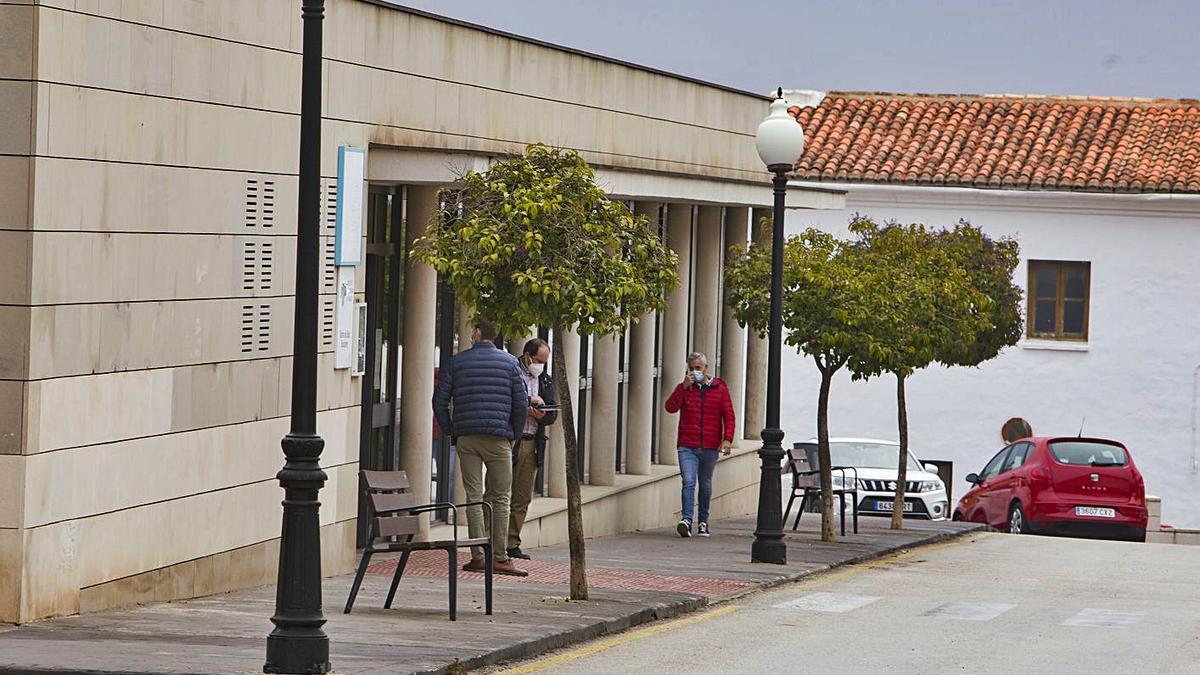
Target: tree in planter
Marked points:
827	302
533	241
931	303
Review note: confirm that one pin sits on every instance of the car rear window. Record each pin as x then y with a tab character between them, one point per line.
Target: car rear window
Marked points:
1088	453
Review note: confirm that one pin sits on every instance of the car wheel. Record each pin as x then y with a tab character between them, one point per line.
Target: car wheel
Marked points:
1016	520
1136	534
957	517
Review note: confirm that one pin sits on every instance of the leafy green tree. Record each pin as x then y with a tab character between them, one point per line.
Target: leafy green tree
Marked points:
533	241
990	264
826	308
928	303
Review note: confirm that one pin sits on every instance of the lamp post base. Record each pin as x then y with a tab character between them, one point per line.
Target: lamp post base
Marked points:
297	654
768	546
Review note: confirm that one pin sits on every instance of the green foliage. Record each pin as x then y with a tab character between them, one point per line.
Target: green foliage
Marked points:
534	241
918	302
989	263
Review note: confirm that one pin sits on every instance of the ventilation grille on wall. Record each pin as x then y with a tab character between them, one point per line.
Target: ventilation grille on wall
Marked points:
327	307
328	208
260	203
258	265
256	328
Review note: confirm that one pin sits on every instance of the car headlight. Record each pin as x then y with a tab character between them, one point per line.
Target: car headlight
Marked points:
931	485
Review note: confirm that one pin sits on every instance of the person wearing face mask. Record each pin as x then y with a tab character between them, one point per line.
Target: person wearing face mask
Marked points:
530	451
706	427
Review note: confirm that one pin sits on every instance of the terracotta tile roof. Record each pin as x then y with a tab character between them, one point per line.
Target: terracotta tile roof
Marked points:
1004	141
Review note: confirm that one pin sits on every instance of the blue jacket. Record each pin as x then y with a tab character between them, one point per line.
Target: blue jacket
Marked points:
489	397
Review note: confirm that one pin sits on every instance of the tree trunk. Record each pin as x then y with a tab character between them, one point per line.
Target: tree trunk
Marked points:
902	472
827	531
562	382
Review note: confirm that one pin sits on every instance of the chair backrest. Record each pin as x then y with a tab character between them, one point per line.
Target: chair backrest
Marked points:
810	455
387	491
801	461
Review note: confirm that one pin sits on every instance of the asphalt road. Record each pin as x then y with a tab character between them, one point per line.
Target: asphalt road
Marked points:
991	603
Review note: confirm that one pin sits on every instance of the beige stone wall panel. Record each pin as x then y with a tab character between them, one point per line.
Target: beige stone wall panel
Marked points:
82	339
161	468
12	417
16	42
14	335
11	569
12	491
163	62
15	174
182	529
107	125
98	267
14	267
144	198
16	109
53	558
93	409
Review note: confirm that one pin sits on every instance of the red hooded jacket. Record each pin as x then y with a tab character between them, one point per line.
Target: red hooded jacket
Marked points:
705	414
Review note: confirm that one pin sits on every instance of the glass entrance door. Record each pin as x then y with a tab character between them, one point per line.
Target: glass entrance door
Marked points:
379	440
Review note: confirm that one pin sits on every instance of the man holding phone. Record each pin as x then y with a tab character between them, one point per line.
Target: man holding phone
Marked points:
531	448
706	425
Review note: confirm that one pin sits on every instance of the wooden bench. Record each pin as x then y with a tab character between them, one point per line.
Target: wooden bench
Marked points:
394	514
804	469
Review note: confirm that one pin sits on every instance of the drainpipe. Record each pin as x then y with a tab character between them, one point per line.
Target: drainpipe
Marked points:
1195	406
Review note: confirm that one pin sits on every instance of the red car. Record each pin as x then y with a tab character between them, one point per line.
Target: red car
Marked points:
1085	485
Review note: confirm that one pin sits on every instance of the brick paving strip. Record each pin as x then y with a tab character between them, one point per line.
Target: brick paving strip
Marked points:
634	578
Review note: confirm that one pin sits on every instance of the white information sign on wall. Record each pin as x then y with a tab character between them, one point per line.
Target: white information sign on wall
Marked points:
344	319
350	176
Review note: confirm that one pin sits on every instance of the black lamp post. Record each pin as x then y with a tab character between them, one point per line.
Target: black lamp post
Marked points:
298	644
780	142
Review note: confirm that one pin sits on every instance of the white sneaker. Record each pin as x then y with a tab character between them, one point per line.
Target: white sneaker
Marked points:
684	528
702	530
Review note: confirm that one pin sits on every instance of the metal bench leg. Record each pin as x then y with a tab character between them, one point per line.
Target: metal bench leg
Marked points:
854	506
842	512
452	555
487	580
358	577
788	511
803	505
396	578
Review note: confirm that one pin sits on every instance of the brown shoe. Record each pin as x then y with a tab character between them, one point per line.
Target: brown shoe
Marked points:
476	565
508	568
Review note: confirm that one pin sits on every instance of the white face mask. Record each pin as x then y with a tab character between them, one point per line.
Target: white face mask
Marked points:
536	369
698	376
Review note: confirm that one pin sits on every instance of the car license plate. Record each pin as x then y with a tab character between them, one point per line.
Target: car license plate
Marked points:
887	506
1095	512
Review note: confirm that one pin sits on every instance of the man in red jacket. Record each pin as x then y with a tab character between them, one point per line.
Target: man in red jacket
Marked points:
705	428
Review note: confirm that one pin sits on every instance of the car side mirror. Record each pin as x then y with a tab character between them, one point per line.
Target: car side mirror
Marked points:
973	478
932	468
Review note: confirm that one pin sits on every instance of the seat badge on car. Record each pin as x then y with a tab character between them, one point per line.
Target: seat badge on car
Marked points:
1095	478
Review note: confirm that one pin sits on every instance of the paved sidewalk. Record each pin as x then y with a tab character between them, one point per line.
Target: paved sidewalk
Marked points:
634	578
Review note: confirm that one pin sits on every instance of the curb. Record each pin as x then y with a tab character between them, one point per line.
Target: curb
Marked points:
532	648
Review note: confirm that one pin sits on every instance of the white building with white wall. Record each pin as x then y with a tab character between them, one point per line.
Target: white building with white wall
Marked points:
1103	194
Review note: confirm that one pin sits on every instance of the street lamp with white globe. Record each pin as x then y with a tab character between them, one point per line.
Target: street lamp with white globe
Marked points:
780	143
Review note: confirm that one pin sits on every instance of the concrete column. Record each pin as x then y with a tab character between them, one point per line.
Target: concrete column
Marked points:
756	347
466	320
602	416
556	453
675	326
416	387
706	296
639	408
733	336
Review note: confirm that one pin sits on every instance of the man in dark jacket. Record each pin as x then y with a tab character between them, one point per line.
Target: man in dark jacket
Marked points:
484	386
527	456
706	426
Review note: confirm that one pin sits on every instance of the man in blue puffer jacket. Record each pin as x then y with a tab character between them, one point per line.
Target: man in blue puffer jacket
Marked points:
481	401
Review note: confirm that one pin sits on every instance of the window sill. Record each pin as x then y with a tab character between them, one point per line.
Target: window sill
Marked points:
1056	345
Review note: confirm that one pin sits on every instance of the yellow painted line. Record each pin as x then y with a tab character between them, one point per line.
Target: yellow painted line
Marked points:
623	638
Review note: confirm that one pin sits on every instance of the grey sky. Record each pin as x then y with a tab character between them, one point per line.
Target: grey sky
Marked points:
1096	47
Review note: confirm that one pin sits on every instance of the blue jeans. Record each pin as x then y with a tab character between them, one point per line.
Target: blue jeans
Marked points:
693	463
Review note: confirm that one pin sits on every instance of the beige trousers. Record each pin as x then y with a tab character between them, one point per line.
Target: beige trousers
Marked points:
495	453
524	473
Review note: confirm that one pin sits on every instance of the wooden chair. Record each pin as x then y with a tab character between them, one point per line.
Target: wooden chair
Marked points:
803	486
394	516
